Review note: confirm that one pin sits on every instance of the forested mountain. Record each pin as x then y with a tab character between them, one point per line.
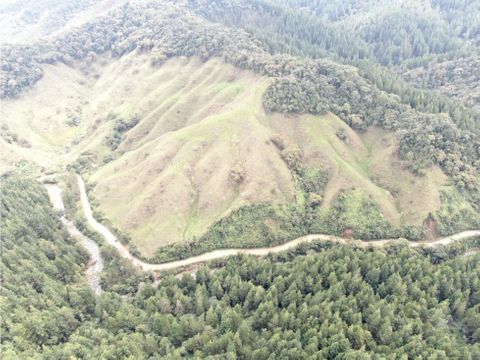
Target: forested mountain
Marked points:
457	77
299	30
299	52
25	20
44	298
201	125
335	301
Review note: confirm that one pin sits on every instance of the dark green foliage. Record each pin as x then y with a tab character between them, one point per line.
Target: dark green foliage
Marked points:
353	210
118	275
341	303
458	212
312	181
463	116
352	213
120	127
249	226
401	35
73	120
283	29
82	164
318	300
399	31
127	28
7	135
292	30
299	86
425	139
44	298
114	139
10	137
70	194
321	86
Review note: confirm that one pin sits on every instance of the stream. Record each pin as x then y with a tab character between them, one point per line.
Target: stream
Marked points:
95	264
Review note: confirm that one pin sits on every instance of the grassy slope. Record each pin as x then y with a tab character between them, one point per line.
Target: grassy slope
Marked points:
366	161
27	20
199	122
207	111
204	125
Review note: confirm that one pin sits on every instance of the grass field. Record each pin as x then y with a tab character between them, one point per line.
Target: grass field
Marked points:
365	161
178	170
202	148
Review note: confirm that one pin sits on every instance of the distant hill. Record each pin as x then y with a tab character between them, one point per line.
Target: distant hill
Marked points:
206	125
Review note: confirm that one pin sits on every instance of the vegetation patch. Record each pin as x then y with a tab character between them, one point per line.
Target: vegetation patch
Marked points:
456	213
250	308
249	226
118	275
355	213
12	138
120	126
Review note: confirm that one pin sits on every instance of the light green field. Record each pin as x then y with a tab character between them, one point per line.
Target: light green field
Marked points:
199	124
367	162
177	176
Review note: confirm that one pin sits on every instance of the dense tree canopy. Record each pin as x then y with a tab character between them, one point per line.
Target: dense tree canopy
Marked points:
44	299
300	29
322	300
329	302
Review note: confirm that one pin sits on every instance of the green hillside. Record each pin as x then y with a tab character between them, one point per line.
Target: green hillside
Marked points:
334	300
251	172
190	136
202	126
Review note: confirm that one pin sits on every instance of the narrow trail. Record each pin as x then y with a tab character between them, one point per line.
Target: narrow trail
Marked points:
217	254
95	264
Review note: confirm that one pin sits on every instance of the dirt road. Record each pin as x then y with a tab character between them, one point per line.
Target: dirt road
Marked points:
217	254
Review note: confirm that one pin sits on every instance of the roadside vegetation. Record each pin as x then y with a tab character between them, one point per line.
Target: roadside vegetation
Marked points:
321	298
356	83
241	124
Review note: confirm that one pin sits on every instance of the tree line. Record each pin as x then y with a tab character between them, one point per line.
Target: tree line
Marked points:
320	300
300	85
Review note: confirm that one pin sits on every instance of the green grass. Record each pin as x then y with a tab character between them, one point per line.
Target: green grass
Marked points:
353	210
248	226
456	212
349	162
226	132
169	182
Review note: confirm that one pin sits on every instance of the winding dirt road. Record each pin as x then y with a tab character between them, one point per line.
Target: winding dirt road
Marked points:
217	254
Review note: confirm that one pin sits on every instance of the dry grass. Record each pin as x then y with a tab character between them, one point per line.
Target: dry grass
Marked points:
369	162
183	152
199	123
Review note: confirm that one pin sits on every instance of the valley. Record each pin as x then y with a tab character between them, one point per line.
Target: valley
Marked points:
239	179
96	261
191	114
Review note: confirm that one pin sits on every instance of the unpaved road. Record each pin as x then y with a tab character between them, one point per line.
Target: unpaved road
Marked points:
95	264
217	254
